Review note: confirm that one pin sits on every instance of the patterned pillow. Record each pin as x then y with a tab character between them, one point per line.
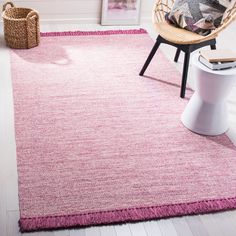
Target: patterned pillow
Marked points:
199	16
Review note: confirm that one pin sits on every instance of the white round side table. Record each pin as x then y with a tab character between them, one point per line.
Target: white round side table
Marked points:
206	112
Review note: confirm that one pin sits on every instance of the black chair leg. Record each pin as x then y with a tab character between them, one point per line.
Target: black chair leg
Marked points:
177	55
185	74
213	46
151	55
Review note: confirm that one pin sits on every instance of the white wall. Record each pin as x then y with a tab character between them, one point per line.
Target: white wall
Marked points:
76	11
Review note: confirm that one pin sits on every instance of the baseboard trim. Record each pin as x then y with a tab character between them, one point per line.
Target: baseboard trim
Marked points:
70	21
80	20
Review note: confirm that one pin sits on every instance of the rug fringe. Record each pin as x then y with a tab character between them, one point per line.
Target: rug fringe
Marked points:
125	215
84	33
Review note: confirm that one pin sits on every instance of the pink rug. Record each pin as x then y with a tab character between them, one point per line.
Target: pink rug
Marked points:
97	144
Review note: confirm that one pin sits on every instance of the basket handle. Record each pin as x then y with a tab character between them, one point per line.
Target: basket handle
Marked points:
4	7
30	15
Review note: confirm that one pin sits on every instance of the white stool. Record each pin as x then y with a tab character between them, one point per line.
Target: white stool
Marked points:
206	112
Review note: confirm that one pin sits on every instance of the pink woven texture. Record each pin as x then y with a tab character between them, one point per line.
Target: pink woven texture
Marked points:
96	143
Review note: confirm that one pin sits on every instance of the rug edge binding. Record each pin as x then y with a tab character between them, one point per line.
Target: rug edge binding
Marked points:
87	33
125	215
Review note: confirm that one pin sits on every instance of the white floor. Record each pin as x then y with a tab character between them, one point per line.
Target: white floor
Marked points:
201	225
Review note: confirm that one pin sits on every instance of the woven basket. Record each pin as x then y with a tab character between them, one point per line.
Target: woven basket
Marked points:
21	26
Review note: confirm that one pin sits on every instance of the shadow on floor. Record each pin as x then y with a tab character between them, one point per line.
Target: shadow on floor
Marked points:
187	97
2	42
226	142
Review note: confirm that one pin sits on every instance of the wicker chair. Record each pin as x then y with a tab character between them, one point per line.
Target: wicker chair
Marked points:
182	39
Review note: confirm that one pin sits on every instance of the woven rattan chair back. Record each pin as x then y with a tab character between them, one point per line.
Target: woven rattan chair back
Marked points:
162	7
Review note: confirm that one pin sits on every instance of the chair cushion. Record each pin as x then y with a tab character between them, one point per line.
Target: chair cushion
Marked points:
199	16
177	35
